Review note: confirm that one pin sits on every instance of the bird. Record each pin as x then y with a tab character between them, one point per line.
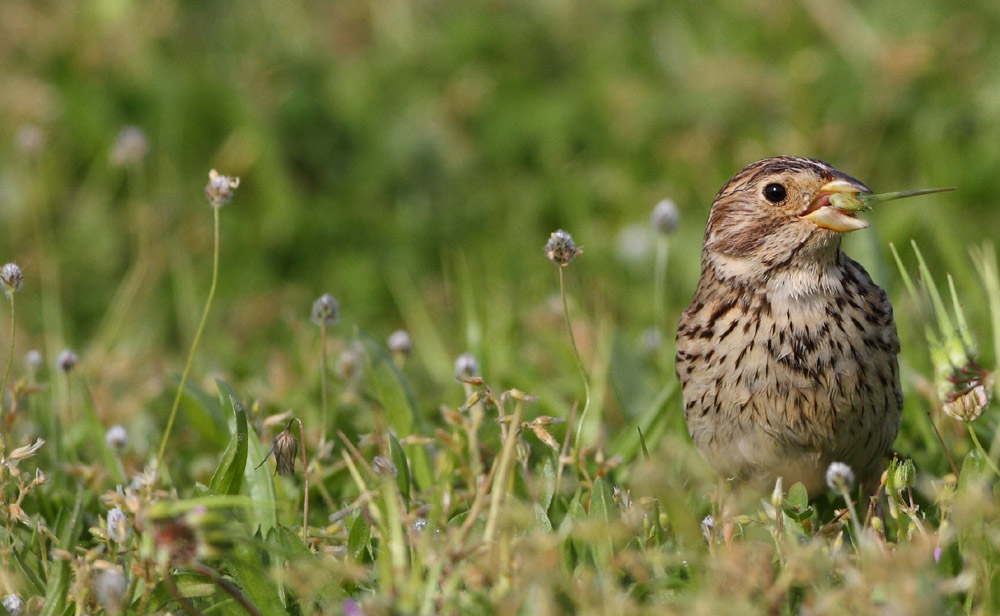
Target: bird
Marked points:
787	353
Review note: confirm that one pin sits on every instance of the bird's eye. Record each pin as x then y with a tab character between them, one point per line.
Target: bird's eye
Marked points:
775	193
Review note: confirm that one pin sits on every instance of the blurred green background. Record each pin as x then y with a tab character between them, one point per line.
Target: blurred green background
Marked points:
412	157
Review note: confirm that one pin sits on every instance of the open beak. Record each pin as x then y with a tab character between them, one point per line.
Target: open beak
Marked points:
828	216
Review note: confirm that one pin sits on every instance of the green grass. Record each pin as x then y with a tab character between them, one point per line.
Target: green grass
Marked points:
412	159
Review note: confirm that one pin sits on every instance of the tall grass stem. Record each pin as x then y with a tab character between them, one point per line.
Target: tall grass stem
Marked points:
194	344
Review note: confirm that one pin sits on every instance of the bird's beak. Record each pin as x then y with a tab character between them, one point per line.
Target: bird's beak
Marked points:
828	216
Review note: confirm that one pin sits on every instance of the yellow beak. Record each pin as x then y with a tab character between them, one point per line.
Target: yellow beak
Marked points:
827	216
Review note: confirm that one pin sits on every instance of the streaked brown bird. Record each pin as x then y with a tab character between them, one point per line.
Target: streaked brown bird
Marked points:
787	353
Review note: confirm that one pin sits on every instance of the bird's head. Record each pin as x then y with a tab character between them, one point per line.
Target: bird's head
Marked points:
779	209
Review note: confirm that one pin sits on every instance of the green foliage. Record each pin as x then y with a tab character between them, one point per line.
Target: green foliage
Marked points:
411	158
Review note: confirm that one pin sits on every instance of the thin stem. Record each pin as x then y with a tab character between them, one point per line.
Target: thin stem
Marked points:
182	601
194	344
855	523
579	362
659	280
305	476
986	456
499	489
323	376
10	357
229	587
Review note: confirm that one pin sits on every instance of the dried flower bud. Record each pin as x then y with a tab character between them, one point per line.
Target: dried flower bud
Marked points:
968	406
561	249
130	147
325	310
839	477
400	342
109	587
116	437
219	189
117	525
466	366
384	466
11	278
286	447
665	217
67	360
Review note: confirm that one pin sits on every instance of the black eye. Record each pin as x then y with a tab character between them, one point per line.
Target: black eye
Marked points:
774	193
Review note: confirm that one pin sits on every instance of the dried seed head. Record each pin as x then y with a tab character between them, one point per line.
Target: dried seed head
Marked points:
116	437
109	587
285	448
561	249
466	366
384	466
665	217
220	188
325	310
839	477
130	147
400	342
11	278
67	360
968	406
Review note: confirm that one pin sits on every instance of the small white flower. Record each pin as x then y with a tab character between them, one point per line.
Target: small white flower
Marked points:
665	217
67	360
117	525
33	359
220	188
14	605
326	310
839	477
11	278
969	405
466	366
116	437
109	587
130	147
400	342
